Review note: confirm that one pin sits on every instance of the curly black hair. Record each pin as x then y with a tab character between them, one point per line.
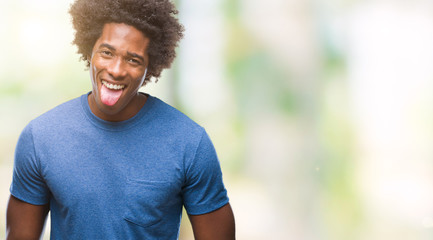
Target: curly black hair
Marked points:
155	18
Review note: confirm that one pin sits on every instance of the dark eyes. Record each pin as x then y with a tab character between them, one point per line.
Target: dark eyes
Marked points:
106	53
134	61
109	54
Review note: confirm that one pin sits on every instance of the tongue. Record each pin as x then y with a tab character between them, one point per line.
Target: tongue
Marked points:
110	97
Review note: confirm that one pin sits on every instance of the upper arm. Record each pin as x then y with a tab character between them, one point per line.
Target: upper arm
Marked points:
204	189
28	183
24	220
216	225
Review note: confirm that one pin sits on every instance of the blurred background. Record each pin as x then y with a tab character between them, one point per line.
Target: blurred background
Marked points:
321	111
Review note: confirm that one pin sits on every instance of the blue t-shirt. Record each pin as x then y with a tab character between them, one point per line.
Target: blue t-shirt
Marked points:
117	180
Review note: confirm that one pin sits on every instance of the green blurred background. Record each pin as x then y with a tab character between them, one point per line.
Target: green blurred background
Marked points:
321	111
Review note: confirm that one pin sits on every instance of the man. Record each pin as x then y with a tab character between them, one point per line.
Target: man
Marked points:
116	163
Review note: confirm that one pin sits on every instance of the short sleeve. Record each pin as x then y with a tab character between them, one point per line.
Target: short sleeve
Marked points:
204	190
27	181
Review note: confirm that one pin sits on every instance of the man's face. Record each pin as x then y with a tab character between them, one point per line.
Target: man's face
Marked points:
117	69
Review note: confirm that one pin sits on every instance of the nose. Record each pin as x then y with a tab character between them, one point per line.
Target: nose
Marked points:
116	68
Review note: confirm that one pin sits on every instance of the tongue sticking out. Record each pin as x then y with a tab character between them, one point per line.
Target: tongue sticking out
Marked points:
110	97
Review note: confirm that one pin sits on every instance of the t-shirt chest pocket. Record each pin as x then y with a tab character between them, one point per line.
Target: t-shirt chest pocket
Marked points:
147	202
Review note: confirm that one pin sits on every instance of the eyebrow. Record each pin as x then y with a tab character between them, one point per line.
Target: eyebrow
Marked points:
131	54
107	46
136	56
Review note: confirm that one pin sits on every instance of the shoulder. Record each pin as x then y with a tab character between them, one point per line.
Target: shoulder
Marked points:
173	119
58	117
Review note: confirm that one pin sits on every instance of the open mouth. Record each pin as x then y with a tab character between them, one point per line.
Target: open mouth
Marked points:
112	86
111	93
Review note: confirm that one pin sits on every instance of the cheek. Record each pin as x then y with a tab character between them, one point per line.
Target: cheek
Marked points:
92	68
140	78
93	71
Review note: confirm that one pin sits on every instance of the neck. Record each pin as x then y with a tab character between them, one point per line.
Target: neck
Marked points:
129	111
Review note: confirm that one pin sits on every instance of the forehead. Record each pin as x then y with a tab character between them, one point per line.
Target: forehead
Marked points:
123	37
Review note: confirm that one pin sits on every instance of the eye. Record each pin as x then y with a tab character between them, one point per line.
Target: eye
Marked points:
106	53
134	61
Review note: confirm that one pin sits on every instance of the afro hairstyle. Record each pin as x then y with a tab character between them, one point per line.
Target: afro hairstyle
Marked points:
155	18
